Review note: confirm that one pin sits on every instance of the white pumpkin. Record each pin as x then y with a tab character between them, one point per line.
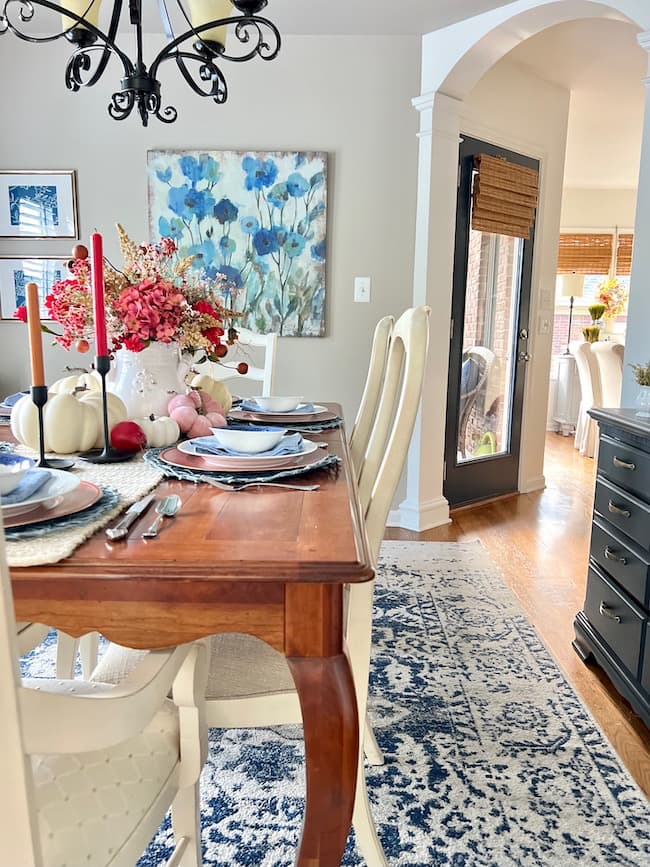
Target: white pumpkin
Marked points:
217	390
70	425
116	412
90	381
161	431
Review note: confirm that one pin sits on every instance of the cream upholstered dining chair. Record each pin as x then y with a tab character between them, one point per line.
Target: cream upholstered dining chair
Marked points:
586	438
247	342
609	356
249	683
369	404
89	770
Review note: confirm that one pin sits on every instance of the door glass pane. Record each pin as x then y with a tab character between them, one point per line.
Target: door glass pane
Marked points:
489	342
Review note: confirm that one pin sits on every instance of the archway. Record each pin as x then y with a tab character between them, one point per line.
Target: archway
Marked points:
453	61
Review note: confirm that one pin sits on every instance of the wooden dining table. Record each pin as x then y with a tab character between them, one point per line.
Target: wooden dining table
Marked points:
265	561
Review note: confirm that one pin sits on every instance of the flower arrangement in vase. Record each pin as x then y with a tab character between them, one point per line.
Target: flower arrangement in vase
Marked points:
613	295
157	307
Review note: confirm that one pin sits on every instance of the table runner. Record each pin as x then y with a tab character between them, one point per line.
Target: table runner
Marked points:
130	480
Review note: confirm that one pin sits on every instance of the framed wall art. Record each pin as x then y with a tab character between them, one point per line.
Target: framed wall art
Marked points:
259	219
16	272
38	204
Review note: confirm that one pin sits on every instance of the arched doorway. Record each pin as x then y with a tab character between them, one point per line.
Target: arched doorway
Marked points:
454	60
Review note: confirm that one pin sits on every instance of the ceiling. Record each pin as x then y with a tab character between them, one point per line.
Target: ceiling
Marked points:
603	66
372	17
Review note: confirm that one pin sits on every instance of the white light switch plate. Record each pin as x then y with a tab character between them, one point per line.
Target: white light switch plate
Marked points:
362	289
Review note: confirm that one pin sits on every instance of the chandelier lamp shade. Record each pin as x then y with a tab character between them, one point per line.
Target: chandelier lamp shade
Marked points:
210	33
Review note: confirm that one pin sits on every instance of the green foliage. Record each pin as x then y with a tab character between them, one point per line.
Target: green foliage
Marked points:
591	333
596	311
642	373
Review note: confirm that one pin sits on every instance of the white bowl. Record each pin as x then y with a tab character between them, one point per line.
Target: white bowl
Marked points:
12	469
277	404
250	441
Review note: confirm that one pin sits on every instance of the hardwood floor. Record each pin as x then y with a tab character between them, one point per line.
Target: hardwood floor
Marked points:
540	542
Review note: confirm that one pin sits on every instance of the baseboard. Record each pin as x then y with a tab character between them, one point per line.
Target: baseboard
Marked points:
530	485
423	516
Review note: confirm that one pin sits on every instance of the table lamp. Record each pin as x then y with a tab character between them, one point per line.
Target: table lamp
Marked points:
571	286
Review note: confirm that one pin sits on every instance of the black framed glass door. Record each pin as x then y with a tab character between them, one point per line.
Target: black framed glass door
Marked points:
488	349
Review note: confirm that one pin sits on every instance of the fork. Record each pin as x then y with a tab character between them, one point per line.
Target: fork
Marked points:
224	487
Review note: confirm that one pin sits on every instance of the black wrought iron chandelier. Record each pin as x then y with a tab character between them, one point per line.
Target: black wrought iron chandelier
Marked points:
198	52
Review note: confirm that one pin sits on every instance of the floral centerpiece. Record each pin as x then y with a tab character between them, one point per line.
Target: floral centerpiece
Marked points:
158	310
613	295
157	297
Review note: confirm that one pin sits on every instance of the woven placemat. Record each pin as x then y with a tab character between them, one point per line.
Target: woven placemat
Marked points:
122	484
152	457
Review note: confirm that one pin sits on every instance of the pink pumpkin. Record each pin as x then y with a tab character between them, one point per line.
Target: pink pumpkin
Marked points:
195	413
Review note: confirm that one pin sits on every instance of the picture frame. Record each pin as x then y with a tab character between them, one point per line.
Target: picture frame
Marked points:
257	219
38	204
17	271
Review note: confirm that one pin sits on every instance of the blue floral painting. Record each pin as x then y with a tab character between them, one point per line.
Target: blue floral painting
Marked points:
259	218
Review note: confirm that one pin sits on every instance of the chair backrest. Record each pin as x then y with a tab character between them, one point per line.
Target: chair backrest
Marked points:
371	392
18	817
242	350
588	374
609	356
394	420
43	719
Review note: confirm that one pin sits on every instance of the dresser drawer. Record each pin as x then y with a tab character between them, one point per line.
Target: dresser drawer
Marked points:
625	466
624	511
628	564
618	622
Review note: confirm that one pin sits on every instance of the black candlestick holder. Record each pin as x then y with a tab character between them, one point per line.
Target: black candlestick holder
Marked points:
109	455
39	398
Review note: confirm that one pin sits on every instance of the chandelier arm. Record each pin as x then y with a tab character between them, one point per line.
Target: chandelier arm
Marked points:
208	72
26	13
243	25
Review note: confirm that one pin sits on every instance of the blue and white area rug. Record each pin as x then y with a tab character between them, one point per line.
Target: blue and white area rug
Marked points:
491	758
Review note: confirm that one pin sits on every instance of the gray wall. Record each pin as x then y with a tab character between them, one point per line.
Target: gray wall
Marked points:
347	96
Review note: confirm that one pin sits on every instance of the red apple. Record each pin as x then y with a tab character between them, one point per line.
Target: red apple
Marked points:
127	436
82	345
242	368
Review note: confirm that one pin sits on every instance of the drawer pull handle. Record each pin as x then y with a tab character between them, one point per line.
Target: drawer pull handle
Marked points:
604	610
611	555
616	510
625	465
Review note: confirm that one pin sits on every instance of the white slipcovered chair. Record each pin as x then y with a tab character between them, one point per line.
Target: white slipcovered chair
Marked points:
363	423
89	770
242	350
586	438
609	356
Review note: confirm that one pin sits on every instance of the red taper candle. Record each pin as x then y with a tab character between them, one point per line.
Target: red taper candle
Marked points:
101	347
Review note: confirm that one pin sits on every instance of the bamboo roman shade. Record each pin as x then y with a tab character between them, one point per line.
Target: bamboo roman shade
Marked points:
585	254
504	197
624	254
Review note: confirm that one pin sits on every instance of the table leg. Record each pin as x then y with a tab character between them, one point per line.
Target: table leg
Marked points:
325	687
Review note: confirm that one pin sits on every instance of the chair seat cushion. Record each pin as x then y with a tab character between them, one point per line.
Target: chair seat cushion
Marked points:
90	803
240	666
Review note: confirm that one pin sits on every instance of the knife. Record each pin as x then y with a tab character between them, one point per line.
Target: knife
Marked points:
121	529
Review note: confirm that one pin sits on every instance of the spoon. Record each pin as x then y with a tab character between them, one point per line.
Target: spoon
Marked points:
165	508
